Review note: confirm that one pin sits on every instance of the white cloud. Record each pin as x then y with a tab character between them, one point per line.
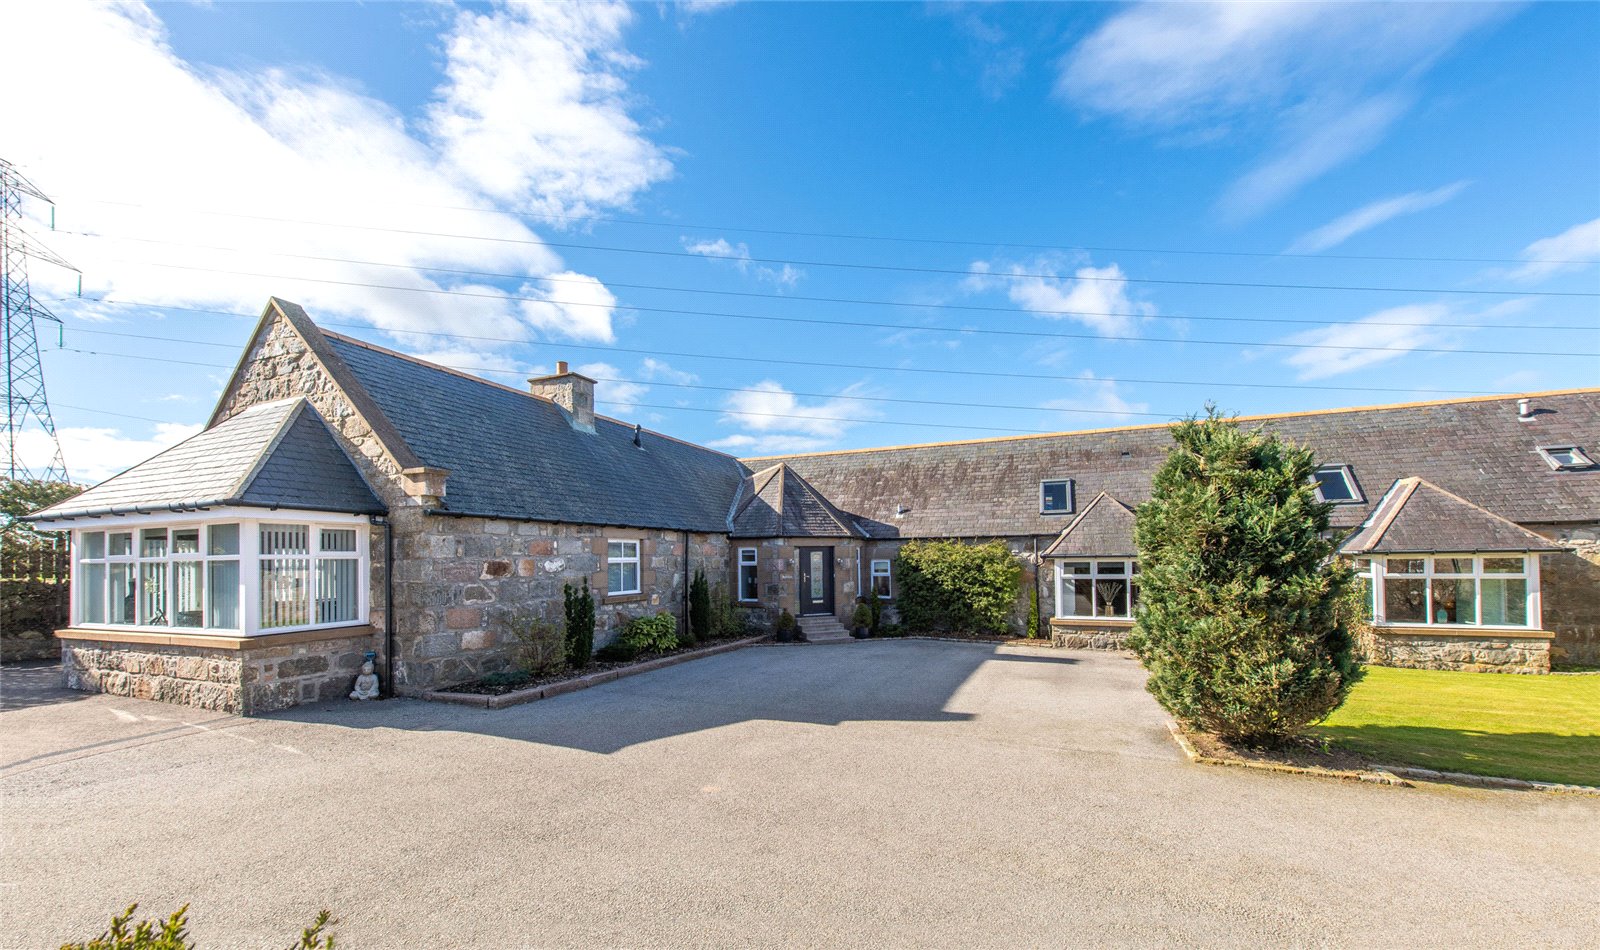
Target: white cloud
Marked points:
1097	297
304	146
95	454
739	256
535	109
1098	398
1573	249
1331	78
610	388
654	369
769	407
1410	327
752	445
1369	216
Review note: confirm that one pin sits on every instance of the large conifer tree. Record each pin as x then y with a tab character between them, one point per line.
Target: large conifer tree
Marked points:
1244	621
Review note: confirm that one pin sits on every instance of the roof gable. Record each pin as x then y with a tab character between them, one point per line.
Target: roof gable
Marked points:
1418	517
272	455
777	502
1104	529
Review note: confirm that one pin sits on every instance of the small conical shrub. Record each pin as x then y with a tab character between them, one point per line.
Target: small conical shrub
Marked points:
700	607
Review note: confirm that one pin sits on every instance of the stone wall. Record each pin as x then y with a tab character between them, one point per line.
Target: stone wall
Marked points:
778	576
1570	588
239	678
1470	653
459	581
1088	635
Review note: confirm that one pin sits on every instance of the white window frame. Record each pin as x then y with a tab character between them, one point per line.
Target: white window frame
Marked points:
638	571
887	573
749	559
1580	459
1349	476
1379	574
248	558
1072	496
1065	605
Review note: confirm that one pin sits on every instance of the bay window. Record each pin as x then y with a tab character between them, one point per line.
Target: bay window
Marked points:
1488	590
236	577
1097	588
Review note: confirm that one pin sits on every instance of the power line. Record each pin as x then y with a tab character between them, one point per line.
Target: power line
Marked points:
809	363
1096	337
780	232
904	268
1018	311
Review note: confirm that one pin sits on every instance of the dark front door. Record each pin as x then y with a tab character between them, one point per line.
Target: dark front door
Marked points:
816	581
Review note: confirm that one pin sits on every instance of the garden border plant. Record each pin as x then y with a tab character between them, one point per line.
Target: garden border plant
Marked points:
956	587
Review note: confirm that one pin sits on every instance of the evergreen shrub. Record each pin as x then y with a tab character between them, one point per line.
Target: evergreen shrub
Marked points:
956	587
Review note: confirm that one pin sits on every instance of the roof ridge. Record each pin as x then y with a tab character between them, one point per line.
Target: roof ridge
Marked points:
1142	427
1407	487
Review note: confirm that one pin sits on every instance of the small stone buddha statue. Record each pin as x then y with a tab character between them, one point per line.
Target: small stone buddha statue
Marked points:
366	683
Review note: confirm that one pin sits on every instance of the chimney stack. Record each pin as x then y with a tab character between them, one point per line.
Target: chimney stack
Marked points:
1524	410
573	392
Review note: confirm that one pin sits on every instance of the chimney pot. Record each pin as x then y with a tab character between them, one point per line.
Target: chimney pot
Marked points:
561	367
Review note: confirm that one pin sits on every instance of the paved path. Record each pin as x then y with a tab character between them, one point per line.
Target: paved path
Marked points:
864	794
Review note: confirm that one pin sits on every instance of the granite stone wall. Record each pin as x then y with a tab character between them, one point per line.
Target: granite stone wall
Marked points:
1471	653
1570	586
1089	636
277	677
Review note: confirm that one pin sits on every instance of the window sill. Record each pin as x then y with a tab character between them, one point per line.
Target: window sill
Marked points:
216	641
1463	630
632	598
1091	621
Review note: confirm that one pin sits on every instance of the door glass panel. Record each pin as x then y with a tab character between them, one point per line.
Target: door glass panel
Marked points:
816	576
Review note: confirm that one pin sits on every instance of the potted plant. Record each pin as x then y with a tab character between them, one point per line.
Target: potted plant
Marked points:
862	620
785	627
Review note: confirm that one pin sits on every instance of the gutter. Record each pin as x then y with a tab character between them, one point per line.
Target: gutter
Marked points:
182	506
388	608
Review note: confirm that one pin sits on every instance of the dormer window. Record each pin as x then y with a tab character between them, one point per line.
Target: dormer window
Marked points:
1565	458
1336	484
1055	497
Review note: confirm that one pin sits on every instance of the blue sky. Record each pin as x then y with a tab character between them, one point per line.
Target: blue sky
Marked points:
534	174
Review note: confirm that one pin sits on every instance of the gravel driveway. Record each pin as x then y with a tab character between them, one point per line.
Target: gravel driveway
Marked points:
864	794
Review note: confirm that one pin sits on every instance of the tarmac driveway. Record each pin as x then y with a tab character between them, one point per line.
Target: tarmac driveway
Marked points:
864	794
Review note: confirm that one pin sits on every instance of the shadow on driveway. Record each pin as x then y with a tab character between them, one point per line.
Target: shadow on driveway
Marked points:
37	683
825	685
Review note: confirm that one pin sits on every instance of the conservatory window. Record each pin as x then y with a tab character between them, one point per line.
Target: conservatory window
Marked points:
1097	588
749	588
622	567
1456	590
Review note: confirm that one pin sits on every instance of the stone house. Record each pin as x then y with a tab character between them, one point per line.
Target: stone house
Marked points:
346	500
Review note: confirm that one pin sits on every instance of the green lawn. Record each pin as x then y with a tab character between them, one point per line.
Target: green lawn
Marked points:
1541	728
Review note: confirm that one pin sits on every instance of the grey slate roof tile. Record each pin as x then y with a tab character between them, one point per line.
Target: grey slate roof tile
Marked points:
514	455
776	502
275	454
1104	529
1416	517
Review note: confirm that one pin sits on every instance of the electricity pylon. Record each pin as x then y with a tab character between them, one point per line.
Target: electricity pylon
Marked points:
26	404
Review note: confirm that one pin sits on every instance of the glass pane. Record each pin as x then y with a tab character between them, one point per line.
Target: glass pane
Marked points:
880	585
622	549
123	591
1111	598
817	579
747	556
284	590
94	545
339	539
1403	566
630	576
187	596
1082	593
1452	565
613	578
1503	565
336	590
1405	600
222	594
1454	601
1111	567
153	591
285	539
1505	601
747	582
153	542
1133	598
223	539
1075	567
1331	484
92	597
186	541
121	544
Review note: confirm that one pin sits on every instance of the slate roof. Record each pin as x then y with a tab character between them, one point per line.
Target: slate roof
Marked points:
511	454
777	503
1417	517
1104	529
1475	448
273	455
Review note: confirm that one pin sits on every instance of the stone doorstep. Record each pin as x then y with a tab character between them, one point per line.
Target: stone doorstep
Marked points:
549	690
1395	775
